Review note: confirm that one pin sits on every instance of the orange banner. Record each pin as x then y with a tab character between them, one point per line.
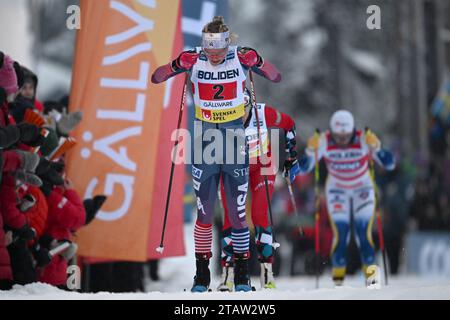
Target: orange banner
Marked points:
119	45
174	231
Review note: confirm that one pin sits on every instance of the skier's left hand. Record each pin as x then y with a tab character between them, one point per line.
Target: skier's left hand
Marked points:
291	168
249	57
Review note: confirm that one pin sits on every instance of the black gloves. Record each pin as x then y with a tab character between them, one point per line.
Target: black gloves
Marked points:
46	241
24	132
30	134
25	233
9	135
46	188
41	255
51	171
92	206
291	160
291	154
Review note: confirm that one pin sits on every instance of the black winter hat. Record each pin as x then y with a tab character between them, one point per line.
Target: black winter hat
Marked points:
65	101
20	74
53	105
29	75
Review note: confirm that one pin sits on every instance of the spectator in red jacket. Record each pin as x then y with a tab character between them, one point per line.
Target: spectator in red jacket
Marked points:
34	205
20	258
66	214
26	255
14	165
5	263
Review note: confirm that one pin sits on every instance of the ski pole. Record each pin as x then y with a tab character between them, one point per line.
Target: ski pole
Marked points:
275	244
160	249
219	196
378	215
291	194
317	214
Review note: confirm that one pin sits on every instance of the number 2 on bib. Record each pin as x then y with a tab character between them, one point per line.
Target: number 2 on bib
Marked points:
217	91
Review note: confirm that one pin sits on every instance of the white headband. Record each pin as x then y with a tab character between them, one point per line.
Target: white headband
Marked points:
215	40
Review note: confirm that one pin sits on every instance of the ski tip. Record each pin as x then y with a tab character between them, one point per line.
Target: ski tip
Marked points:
160	249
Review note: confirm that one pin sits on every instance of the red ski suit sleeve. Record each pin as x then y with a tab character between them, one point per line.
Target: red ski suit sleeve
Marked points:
277	119
165	72
267	70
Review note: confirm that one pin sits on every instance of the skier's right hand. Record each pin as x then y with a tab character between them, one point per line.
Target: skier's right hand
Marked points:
185	60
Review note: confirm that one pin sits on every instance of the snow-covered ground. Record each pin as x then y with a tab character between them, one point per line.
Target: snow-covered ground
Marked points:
299	288
176	275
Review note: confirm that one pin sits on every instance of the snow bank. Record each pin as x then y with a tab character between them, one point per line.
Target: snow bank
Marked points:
177	274
298	288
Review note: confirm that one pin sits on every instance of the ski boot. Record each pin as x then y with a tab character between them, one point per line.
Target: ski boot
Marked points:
267	279
338	275
241	274
227	279
202	277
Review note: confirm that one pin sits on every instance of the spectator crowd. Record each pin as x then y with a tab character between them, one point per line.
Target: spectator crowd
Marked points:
40	211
